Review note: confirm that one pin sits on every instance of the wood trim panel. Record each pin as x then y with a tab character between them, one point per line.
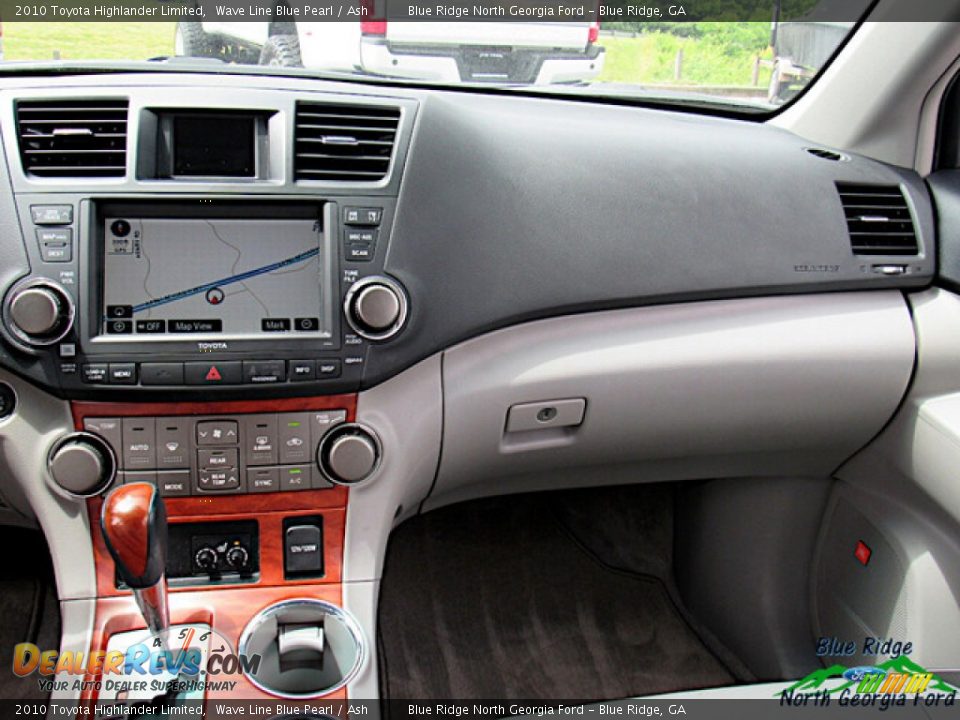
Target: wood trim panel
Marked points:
227	611
268	509
271	549
81	410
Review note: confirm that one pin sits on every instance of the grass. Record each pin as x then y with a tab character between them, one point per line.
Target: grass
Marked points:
647	59
87	40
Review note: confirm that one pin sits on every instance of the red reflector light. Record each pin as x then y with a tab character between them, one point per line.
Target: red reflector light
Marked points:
370	24
862	552
373	27
594	34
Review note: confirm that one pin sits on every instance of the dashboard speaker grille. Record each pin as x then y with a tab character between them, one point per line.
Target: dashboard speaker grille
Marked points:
878	219
73	138
344	142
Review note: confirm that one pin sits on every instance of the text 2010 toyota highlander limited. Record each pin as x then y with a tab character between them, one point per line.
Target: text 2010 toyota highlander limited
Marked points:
330	388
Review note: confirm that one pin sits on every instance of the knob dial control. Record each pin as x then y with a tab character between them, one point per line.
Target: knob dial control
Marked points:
39	313
206	559
237	557
348	454
376	308
82	465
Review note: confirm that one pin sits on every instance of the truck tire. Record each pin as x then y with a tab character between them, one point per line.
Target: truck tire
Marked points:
193	41
281	51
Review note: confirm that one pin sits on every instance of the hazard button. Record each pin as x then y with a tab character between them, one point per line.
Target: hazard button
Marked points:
213	373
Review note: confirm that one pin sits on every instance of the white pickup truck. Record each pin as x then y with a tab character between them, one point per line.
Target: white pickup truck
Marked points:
523	53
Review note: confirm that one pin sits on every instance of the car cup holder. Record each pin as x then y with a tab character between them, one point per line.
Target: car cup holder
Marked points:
307	648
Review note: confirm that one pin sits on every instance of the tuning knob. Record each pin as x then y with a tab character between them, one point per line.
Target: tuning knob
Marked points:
376	307
82	464
348	454
39	313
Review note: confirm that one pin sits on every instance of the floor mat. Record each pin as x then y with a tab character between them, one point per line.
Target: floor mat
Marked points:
500	599
29	611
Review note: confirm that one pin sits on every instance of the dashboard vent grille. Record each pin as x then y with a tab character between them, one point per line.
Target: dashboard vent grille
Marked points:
878	219
344	142
73	138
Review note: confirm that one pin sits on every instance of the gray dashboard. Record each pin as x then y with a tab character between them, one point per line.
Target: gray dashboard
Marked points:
505	209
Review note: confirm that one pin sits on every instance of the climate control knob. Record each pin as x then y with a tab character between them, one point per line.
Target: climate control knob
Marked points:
81	465
237	557
348	454
206	559
39	313
376	308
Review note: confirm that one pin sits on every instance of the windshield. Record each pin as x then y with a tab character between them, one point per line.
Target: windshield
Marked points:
750	65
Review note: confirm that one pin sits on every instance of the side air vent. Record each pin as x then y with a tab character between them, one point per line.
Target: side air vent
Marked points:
825	154
344	142
878	219
73	138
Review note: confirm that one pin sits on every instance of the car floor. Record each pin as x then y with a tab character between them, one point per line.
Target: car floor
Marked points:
553	595
29	610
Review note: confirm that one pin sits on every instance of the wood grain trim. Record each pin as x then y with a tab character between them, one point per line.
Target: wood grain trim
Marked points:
271	551
81	410
125	521
227	611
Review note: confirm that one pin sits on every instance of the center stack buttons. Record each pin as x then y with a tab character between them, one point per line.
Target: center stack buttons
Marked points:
296	451
217	455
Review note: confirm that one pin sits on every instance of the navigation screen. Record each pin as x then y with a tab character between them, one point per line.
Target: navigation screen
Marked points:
220	277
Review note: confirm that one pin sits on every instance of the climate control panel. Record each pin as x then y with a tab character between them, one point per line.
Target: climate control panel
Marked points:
221	454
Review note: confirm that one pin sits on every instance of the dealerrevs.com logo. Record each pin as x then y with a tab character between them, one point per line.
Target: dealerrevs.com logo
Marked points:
194	656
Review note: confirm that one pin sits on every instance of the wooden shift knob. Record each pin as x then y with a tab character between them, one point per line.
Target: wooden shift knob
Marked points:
134	524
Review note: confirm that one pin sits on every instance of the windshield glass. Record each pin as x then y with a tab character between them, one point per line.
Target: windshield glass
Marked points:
751	64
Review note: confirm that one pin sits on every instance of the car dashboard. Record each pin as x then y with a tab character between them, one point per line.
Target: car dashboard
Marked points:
297	303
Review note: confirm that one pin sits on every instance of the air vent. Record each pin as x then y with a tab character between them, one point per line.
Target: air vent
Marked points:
878	219
344	142
73	138
826	154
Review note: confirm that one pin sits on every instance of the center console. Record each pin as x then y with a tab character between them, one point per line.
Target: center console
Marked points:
202	277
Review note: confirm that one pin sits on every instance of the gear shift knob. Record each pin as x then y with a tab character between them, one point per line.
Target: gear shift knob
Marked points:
134	525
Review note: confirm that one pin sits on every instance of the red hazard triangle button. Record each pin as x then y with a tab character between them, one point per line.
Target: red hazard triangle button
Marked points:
210	372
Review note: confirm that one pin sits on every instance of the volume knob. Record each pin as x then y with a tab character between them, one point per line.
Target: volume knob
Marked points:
82	465
376	308
40	313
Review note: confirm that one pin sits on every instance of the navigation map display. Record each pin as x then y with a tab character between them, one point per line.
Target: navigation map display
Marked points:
216	277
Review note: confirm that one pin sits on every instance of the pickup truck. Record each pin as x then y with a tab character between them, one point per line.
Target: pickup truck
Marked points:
522	53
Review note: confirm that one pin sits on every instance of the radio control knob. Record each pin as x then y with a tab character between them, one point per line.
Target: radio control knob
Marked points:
82	465
376	308
348	454
40	313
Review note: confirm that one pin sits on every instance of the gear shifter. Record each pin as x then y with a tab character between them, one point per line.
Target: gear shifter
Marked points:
134	525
